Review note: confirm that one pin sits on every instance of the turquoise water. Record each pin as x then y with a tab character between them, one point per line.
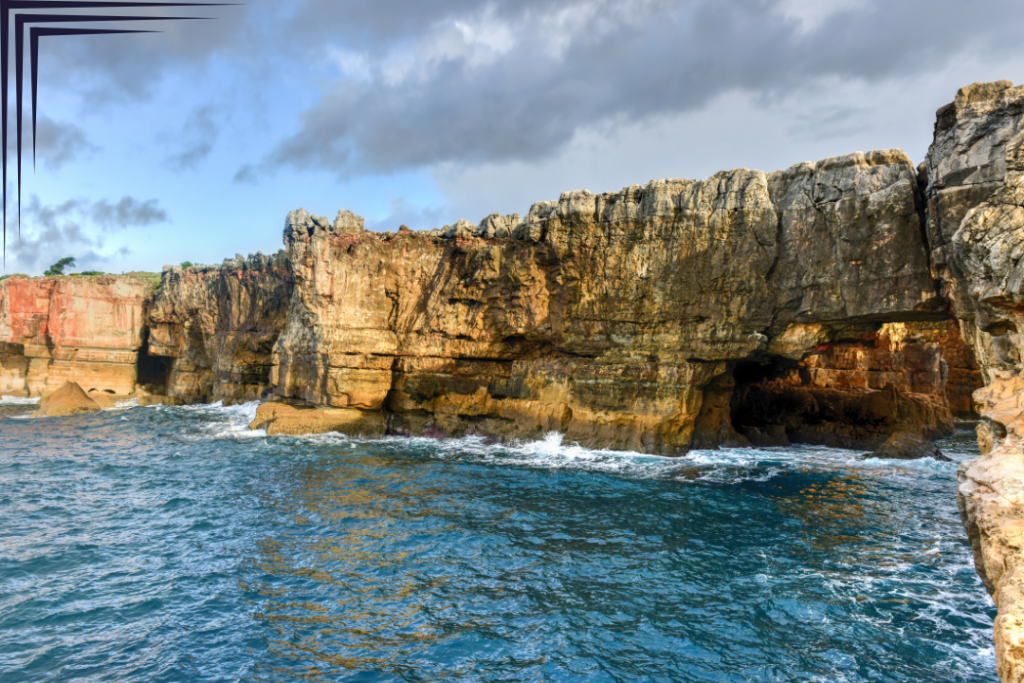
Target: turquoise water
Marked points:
170	544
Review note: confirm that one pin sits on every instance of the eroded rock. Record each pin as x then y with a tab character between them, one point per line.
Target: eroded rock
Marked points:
975	175
69	399
615	318
285	419
212	329
909	445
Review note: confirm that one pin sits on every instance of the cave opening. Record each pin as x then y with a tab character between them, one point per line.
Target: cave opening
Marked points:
855	392
778	402
153	371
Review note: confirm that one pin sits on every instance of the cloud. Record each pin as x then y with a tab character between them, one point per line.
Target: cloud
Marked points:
52	231
59	143
247	174
402	212
96	65
128	212
419	84
401	84
199	133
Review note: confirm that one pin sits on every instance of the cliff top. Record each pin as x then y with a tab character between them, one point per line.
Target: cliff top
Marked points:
151	280
631	202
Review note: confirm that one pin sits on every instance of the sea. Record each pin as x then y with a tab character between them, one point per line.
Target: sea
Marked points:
173	544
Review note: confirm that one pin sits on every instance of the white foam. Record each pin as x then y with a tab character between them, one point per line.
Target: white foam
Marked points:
551	452
726	466
225	422
16	401
124	405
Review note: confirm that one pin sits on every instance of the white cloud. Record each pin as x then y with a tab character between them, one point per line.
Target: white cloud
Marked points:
810	14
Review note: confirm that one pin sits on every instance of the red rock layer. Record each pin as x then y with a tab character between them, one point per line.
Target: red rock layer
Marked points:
86	330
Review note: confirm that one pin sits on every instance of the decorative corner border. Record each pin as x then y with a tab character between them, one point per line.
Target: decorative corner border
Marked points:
21	21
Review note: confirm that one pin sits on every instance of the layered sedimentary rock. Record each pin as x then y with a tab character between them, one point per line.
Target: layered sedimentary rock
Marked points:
86	330
975	172
862	390
619	319
212	329
828	303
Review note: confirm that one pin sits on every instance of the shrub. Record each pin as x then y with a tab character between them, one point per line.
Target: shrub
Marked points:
58	267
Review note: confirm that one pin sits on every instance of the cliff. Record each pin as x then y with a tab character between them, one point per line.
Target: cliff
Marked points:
625	320
976	222
87	330
217	326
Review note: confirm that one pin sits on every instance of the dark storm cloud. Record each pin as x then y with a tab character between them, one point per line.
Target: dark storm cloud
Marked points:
467	81
97	66
566	66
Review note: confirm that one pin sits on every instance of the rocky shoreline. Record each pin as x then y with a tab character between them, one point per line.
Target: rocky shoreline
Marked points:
857	301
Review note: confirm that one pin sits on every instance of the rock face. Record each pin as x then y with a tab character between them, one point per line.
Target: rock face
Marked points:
827	303
607	317
863	389
69	399
86	330
975	173
281	418
215	327
631	320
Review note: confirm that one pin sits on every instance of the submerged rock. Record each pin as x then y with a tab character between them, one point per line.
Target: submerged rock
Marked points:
69	399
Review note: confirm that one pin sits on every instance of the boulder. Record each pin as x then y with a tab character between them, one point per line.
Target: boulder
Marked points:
908	445
294	420
69	399
159	401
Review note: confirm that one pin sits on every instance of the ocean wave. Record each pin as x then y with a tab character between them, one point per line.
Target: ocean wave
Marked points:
217	421
125	404
554	451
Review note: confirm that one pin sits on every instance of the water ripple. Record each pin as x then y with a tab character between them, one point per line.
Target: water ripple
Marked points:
171	544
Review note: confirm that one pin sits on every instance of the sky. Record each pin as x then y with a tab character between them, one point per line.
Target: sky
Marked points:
193	144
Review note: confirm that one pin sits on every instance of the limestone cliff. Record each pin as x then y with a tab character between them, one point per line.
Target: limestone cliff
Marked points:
623	319
217	327
975	171
605	317
87	330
